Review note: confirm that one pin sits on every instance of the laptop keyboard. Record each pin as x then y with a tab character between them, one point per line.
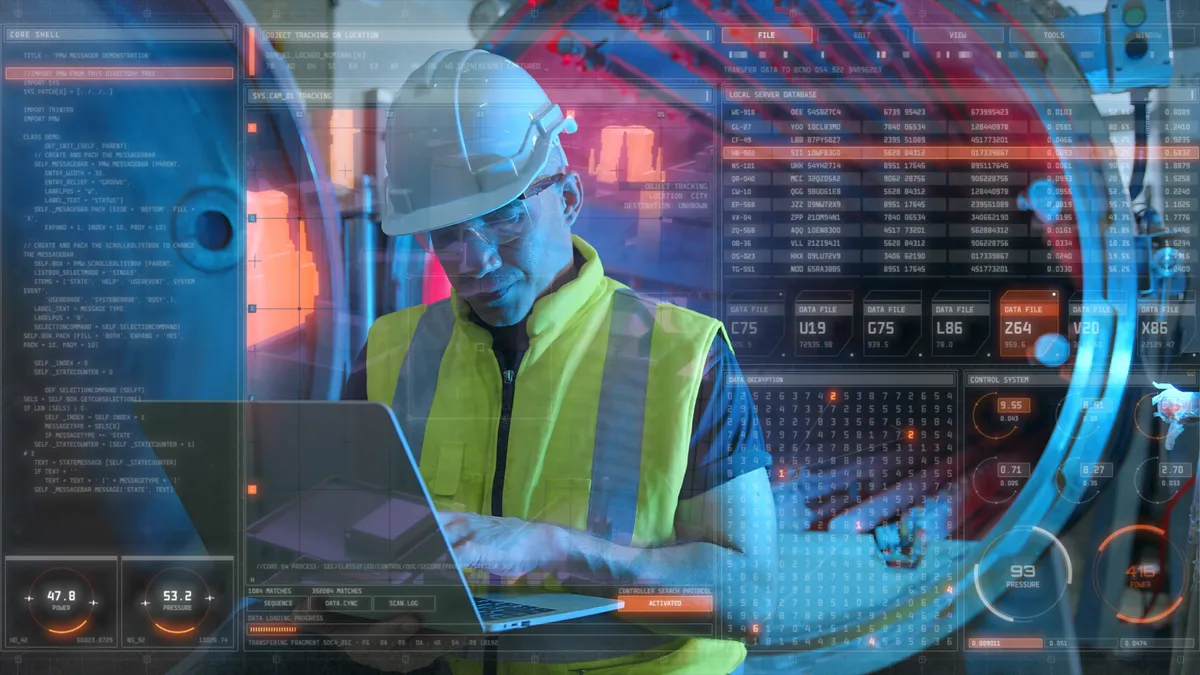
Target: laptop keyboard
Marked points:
491	609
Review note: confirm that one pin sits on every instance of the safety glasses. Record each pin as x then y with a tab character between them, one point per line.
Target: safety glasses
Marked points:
502	226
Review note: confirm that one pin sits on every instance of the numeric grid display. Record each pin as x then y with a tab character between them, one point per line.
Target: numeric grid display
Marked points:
866	482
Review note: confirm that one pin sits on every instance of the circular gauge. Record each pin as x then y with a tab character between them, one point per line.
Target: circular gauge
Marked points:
1080	481
998	481
1094	412
176	601
62	601
1156	430
997	417
1158	482
1020	575
1142	579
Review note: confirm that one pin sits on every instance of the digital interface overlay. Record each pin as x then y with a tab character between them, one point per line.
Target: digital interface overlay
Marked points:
952	245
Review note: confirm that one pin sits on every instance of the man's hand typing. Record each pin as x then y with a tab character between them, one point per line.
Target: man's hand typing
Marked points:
507	547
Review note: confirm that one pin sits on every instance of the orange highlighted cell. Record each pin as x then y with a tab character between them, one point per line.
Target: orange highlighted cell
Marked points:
984	152
746	152
252	128
118	73
1005	643
1178	152
817	152
656	604
1014	406
786	153
1026	315
252	489
1153	153
914	152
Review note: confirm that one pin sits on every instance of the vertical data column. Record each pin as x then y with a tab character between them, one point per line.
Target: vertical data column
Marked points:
817	205
746	193
1181	180
1064	149
1178	257
816	241
745	231
904	193
1123	224
987	237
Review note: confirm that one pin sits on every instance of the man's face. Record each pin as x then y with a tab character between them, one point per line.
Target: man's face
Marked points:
502	262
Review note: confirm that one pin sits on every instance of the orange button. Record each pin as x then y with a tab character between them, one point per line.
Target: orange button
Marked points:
750	35
666	603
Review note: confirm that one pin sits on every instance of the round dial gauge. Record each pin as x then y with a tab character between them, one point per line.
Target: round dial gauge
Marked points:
62	601
1021	577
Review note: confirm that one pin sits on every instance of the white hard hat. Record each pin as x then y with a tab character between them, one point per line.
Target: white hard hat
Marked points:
469	132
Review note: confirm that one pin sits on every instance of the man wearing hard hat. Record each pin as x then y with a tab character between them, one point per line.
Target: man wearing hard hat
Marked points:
572	433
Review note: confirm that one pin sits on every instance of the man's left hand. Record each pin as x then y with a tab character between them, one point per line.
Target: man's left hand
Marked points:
508	547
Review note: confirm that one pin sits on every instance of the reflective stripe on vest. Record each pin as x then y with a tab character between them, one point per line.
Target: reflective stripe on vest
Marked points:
419	373
617	458
620	419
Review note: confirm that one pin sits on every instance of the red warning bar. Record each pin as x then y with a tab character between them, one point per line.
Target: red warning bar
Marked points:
1005	643
118	73
251	49
967	153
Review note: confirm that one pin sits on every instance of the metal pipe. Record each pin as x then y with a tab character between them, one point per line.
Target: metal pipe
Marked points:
362	255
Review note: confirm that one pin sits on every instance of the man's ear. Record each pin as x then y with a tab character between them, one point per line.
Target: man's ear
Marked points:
572	193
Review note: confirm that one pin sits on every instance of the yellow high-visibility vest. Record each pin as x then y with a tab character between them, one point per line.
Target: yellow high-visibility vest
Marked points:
599	433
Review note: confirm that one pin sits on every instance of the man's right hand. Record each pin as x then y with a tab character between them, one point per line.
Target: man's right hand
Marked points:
1174	407
388	659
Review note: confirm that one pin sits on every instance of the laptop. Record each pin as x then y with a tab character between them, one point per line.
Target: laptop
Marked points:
338	502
